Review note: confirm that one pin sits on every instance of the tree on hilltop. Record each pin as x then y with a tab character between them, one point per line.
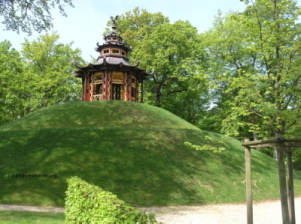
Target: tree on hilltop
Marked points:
175	54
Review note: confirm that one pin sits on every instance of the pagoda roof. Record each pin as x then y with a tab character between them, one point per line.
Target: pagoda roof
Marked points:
111	62
112	44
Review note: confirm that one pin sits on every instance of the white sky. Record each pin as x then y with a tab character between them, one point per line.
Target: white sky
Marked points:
86	22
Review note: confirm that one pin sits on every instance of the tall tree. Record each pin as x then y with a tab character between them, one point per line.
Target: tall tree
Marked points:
134	25
174	52
226	56
11	69
264	81
49	65
25	15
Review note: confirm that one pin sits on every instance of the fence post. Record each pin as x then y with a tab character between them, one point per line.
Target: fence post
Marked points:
249	183
290	185
282	179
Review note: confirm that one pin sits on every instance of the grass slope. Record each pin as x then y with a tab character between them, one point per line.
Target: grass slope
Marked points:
134	150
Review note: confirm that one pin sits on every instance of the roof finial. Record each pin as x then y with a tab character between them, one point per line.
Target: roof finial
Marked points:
114	22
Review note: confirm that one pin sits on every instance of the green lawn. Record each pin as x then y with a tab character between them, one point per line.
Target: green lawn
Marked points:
136	151
24	217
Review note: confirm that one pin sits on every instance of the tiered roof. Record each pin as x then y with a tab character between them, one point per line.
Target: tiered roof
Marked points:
112	57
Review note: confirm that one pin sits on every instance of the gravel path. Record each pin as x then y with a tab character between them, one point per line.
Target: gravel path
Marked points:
268	212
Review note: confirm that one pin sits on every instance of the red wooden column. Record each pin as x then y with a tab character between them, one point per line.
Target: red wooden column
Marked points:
141	89
83	89
110	85
88	87
105	85
91	88
129	84
124	86
136	90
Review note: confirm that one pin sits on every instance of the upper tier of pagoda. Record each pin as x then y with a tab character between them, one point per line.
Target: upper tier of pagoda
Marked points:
112	77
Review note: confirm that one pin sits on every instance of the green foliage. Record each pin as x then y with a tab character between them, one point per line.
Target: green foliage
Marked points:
39	77
211	145
136	24
254	68
11	80
49	67
175	54
172	51
87	203
24	16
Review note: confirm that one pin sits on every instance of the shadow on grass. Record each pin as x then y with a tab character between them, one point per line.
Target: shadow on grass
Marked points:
144	167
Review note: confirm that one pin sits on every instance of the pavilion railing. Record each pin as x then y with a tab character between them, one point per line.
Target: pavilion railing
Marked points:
97	97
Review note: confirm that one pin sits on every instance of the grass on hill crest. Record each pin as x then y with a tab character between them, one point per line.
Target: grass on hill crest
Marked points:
99	114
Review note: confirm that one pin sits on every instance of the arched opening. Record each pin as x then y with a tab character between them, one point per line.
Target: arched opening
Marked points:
117	87
97	90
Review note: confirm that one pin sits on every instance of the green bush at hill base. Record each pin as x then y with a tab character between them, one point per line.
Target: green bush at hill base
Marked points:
87	203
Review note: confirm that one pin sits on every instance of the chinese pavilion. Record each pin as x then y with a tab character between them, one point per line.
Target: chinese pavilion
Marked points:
112	77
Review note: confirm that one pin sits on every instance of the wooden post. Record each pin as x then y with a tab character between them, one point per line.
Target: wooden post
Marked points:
104	85
282	181
129	85
141	95
84	87
290	185
249	184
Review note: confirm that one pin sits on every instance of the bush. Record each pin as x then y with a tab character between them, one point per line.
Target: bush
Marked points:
87	203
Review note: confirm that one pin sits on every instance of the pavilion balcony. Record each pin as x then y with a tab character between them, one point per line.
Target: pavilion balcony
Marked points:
97	97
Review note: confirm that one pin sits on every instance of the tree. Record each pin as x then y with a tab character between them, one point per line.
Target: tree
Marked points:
134	25
25	15
226	55
261	69
49	65
174	53
11	79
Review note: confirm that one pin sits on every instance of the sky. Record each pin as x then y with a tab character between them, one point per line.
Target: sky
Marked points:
86	22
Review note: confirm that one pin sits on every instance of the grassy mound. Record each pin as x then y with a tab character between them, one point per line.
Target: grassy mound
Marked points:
99	114
134	150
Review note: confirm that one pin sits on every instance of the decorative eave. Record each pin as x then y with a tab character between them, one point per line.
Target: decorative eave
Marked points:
112	44
113	34
106	65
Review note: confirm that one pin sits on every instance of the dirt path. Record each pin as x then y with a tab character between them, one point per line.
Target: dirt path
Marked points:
268	212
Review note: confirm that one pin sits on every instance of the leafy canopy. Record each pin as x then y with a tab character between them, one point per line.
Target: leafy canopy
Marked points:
255	67
28	15
37	77
175	54
11	69
49	68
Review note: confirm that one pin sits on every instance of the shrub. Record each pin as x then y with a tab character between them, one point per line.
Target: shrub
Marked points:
87	203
